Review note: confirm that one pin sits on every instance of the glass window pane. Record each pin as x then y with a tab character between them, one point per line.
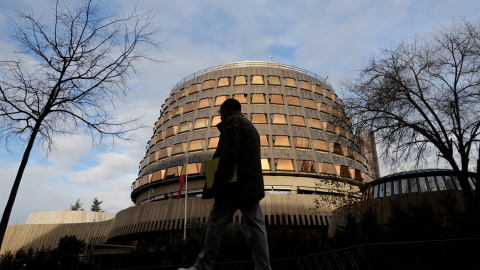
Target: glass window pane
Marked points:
178	148
284	164
264	140
216	120
240	80
381	190
388	189
431	183
336	148
297	120
317	89
190	107
257	79
220	99
273	80
314	123
441	183
305	166
184	127
457	183
293	101
323	107
396	187
290	82
276	99
304	85
422	184
205	103
328	168
278	119
310	104
320	145
258	99
173	172
413	185
197	145
225	81
449	182
404	186
201	123
259	118
208	84
195	88
265	164
375	192
194	168
242	98
472	183
344	171
301	142
281	141
213	142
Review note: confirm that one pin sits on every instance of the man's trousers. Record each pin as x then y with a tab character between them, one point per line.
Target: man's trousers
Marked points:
222	213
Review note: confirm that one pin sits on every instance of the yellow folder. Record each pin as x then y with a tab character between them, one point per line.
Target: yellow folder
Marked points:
211	167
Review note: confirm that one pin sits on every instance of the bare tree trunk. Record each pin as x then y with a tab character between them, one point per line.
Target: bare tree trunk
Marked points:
16	184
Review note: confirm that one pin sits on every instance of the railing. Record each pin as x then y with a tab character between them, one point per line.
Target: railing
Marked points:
254	64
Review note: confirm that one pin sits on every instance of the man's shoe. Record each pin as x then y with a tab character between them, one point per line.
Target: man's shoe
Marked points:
191	268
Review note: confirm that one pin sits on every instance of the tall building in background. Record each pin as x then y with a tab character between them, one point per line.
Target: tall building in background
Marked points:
310	160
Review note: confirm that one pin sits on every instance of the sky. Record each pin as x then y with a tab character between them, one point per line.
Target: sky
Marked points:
328	37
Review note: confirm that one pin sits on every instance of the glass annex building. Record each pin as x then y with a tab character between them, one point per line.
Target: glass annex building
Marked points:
306	148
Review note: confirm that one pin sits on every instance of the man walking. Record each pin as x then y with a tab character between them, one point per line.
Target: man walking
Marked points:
239	145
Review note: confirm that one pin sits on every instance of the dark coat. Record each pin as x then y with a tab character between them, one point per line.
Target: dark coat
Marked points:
239	144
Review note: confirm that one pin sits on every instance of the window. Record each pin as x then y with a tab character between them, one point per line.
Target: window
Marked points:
388	189
375	191
258	118
173	172
422	184
191	106
441	183
265	164
205	103
404	185
396	187
296	120
224	81
257	79
358	175
171	131
216	120
278	119
194	168
413	185
327	168
276	99
177	111
305	166
264	140
242	98
258	99
336	148
344	171
273	80
184	127
240	80
317	89
293	101
197	145
350	153
320	145
158	175
301	142
431	183
201	123
182	93
208	84
194	88
457	183
314	123
280	140
164	152
309	104
284	165
329	127
471	181
213	142
220	99
322	107
342	132
178	148
290	82
304	85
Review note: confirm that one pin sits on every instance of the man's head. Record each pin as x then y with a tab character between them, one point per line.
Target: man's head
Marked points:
228	107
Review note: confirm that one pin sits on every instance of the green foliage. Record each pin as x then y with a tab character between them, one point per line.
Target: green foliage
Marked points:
69	247
77	206
96	205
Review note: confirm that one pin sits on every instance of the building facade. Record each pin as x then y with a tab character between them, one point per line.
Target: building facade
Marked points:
310	160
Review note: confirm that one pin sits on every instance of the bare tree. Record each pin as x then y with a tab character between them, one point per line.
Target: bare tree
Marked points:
67	75
421	98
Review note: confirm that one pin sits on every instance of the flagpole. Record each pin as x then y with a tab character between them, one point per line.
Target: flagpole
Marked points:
186	196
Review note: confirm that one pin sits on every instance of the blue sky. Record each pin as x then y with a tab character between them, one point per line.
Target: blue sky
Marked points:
329	38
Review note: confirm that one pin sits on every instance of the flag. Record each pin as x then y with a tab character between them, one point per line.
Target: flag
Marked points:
183	175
